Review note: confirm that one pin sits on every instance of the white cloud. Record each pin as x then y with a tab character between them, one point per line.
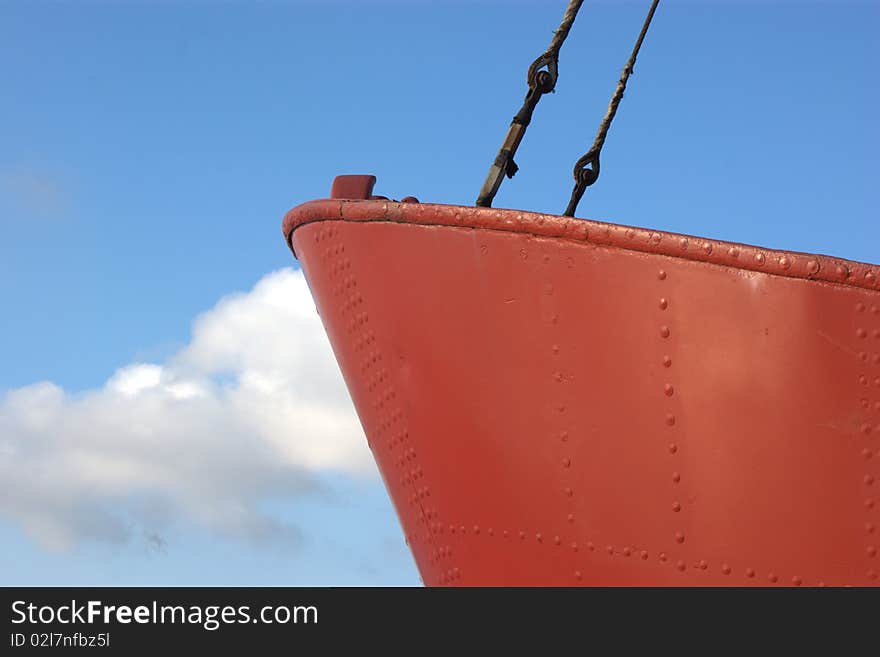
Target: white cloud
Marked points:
251	411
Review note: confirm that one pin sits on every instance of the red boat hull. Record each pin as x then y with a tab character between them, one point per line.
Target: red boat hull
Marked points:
555	401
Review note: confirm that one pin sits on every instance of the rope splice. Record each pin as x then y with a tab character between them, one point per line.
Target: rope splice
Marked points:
541	81
586	169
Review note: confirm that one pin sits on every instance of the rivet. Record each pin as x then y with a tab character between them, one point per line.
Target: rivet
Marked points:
866	429
784	262
574	547
670	419
546	259
664	304
707	247
870	277
539	537
673	448
676	507
871	551
869	480
869	527
668	389
577	574
759	258
490	531
869	503
867	453
703	565
662	556
557	540
813	266
750	572
676	477
558	377
571	517
725	569
733	252
797	581
842	271
506	534
627	551
667	361
872	574
862	333
664	331
555	349
681	565
773	578
569	492
476	529
630	233
644	555
609	549
566	462
661	275
522	535
679	537
563	436
463	530
590	546
684	244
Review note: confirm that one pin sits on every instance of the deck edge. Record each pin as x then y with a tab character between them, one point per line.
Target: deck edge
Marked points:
789	264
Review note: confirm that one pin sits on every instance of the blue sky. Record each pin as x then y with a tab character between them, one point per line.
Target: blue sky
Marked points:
148	151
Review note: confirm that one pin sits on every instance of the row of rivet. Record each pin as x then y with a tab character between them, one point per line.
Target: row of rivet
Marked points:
758	257
749	257
669	391
746	255
863	314
673	448
389	416
680	565
560	432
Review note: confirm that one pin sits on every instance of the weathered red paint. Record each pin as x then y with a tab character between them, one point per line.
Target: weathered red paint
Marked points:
557	401
353	187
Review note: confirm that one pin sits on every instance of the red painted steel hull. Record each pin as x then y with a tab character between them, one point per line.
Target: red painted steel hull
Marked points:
555	401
